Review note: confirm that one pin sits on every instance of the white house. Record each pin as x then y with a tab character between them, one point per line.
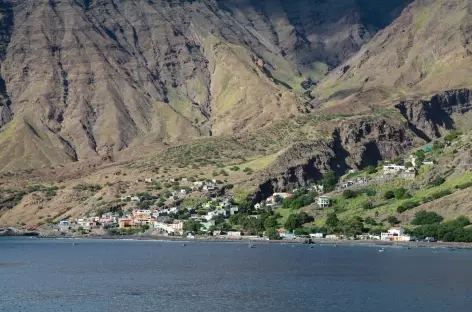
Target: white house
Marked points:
317	235
392	169
184	180
233	210
183	191
148	180
282	195
258	206
64	223
332	236
234	234
395	234
131	198
318	188
323	202
270	201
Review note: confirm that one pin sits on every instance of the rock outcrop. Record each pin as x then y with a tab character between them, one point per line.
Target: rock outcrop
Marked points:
355	143
428	117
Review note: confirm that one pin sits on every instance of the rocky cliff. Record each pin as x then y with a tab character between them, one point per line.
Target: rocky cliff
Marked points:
427	118
354	143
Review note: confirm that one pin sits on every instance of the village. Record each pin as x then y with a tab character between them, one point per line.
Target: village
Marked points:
204	209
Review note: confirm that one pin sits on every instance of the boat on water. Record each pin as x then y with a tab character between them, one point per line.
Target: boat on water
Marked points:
381	250
251	245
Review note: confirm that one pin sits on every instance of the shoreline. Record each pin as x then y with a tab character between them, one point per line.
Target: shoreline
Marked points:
456	245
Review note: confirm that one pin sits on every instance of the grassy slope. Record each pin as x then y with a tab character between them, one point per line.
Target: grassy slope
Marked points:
424	51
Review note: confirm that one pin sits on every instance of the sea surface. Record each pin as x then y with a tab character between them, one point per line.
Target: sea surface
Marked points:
116	275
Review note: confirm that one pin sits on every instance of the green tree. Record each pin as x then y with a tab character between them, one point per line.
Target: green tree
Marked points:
292	223
426	217
270	222
393	220
192	226
329	181
332	221
272	234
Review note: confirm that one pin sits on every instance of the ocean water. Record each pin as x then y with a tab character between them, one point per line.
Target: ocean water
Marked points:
113	275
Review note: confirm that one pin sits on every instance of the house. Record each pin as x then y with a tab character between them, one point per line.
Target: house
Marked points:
177	226
183	191
141	212
258	206
395	234
282	195
208	187
352	171
143	219
233	234
216	233
130	198
271	201
332	237
233	210
148	180
105	220
318	188
198	183
393	169
409	173
64	223
125	222
317	235
323	202
208	224
428	163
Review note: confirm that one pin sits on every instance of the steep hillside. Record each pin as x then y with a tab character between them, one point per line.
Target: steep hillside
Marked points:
425	51
81	79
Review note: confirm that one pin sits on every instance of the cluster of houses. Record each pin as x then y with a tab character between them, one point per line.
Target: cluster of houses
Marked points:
277	198
201	186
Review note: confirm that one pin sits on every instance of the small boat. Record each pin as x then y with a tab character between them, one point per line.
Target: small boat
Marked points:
183	245
251	245
381	250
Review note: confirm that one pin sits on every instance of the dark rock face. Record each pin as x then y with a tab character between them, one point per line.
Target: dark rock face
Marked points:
355	143
427	117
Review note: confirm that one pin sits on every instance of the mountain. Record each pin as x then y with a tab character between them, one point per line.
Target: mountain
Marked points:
425	51
84	79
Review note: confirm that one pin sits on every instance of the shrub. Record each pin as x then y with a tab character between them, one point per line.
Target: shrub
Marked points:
393	220
426	217
368	205
370	169
389	194
407	206
464	185
401	193
440	194
437	182
370	221
347	194
234	168
452	136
